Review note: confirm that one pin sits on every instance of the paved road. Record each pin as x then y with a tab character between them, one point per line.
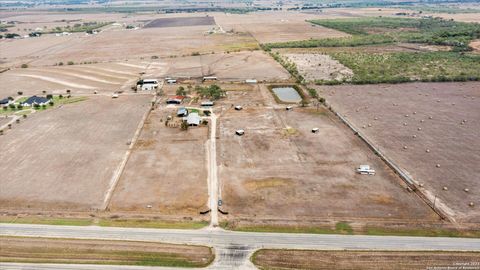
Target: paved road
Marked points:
212	171
234	248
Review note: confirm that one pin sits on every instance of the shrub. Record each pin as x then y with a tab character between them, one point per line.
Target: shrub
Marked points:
24	66
20	93
70	63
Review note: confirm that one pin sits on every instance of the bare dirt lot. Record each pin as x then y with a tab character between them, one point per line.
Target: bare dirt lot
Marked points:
181	21
167	170
64	158
280	173
364	260
237	66
319	67
443	117
47	250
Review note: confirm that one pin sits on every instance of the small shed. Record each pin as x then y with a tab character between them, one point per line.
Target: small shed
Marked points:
182	112
207	103
175	100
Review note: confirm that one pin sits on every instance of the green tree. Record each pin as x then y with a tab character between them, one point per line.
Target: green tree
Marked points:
181	91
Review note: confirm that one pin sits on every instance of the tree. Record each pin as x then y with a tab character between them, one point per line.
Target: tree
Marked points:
184	125
213	91
181	91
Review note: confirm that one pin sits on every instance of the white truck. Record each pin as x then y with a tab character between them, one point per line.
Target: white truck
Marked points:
365	169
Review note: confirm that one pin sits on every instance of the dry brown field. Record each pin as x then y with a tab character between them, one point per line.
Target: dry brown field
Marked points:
65	157
181	21
237	66
403	111
268	27
80	79
166	171
364	260
81	251
280	173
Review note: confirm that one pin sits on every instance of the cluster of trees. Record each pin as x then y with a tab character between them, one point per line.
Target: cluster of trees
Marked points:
434	31
212	92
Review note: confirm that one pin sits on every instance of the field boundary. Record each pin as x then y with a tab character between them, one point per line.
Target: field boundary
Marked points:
119	171
411	183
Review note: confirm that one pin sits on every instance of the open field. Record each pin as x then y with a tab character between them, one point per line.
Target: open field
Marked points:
64	158
166	170
58	250
181	21
451	144
364	260
281	174
237	66
268	27
79	78
314	67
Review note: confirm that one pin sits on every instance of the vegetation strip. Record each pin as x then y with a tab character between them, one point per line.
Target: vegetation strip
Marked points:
344	227
326	259
72	251
107	222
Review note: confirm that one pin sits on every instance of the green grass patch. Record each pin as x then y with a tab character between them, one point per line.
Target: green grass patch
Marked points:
158	224
77	251
106	222
47	221
407	66
422	232
340	228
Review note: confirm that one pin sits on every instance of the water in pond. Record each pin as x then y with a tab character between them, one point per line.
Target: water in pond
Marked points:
287	94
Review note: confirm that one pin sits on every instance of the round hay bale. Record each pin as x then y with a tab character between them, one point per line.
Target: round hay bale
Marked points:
404	124
405	147
419	128
428	150
438	165
471	204
430	117
414	136
466	190
445	188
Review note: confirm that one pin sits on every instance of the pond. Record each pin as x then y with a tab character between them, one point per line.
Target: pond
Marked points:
287	94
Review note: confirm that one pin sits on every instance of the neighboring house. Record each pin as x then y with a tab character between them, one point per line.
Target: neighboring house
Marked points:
193	119
35	100
5	101
182	112
175	100
148	84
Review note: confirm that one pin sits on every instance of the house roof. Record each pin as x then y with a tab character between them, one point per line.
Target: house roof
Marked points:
181	110
193	119
34	99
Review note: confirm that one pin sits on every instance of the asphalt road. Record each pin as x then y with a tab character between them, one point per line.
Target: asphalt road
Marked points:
233	249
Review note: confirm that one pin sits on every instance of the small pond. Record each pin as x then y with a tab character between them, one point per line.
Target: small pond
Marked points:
287	94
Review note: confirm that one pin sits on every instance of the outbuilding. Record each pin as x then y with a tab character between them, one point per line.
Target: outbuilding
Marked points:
182	112
175	100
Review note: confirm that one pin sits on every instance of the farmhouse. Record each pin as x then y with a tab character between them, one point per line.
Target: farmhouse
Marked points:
193	119
35	100
175	100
